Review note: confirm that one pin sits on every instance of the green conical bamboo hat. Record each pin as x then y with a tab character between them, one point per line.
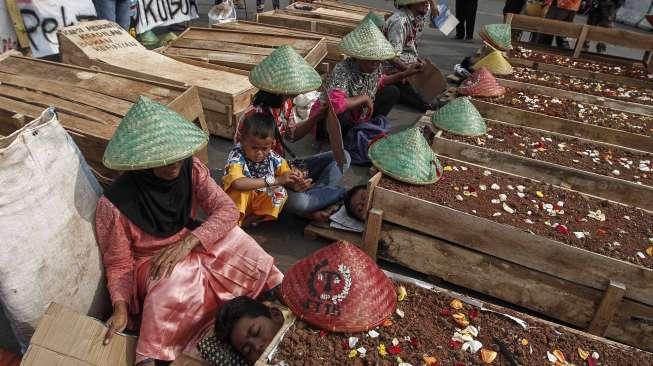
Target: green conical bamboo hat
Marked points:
284	71
498	35
366	42
399	3
406	156
152	135
375	18
460	117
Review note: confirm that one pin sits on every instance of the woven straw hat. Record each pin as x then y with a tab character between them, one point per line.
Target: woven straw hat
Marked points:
495	63
406	156
340	289
152	135
284	71
399	3
460	117
481	84
375	18
366	42
497	35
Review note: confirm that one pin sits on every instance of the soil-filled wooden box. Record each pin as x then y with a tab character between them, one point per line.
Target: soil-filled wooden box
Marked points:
576	258
626	73
592	117
89	103
436	326
582	33
607	171
345	6
333	56
240	49
225	92
299	20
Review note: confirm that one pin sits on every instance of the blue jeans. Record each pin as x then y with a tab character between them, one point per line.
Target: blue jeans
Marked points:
326	175
113	10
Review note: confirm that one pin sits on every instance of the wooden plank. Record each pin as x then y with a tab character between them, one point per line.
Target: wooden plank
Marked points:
189	105
247	38
607	308
313	231
46	100
317	54
371	188
580	41
313	25
600	57
18	25
69	92
212	45
564	126
514	283
546	26
580	97
506	242
322	16
372	232
208	65
353	7
613	189
236	60
275	29
620	37
587	74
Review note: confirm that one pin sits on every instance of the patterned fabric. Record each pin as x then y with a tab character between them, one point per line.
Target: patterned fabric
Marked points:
402	30
228	263
219	353
152	135
348	77
252	169
283	117
284	71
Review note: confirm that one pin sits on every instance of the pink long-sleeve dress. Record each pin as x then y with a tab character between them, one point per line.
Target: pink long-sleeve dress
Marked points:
228	263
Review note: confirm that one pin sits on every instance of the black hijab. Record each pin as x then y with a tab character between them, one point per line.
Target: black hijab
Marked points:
157	206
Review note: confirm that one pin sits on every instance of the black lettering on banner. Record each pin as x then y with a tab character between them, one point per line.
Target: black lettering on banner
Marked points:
174	6
30	26
193	4
48	26
161	6
148	11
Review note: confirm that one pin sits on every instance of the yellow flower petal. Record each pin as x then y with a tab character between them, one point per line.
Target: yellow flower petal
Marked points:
456	304
559	355
448	168
488	356
429	360
539	194
461	319
649	251
524	342
353	353
381	349
402	294
583	354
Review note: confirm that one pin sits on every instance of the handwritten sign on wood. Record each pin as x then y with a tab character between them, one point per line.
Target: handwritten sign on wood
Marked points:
100	39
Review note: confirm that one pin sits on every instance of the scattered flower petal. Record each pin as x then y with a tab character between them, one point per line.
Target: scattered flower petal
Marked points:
445	312
453	344
430	360
524	342
456	304
381	349
539	194
641	255
394	350
488	356
472	346
559	355
583	354
395	342
373	333
595	355
552	358
361	351
473	314
400	313
649	251
352	354
352	342
508	209
495	186
402	294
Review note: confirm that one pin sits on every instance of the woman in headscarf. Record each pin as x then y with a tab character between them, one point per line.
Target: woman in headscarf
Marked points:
166	270
280	77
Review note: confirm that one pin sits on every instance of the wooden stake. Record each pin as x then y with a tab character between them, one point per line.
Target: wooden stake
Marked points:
607	308
372	232
19	27
580	41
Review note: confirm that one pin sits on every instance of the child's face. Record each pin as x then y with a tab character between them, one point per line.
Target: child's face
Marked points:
250	336
358	203
256	149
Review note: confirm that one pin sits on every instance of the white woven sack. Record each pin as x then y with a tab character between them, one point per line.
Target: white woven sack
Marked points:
48	250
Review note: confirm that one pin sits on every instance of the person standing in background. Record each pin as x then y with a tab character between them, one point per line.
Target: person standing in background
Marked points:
114	10
602	13
466	14
563	10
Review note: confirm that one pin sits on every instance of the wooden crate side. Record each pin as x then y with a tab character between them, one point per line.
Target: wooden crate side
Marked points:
275	29
247	38
213	45
298	22
613	189
564	126
317	54
516	284
579	97
611	59
588	74
236	60
514	245
547	26
189	105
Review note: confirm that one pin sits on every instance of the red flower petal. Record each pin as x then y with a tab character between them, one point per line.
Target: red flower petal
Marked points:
473	314
590	361
562	229
323	333
345	344
394	350
414	342
454	344
445	312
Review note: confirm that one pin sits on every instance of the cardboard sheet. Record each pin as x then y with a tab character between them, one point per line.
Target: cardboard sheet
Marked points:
430	82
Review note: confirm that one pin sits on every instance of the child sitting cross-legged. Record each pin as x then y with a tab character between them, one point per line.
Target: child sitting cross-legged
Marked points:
255	175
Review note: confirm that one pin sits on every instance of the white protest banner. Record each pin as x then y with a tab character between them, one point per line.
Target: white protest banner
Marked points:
43	18
7	34
156	13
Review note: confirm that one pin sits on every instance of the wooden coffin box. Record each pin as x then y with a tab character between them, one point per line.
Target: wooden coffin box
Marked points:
333	55
575	128
240	49
224	93
89	103
605	295
299	20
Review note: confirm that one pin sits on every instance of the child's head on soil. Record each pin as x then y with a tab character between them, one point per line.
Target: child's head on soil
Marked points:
249	326
355	202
